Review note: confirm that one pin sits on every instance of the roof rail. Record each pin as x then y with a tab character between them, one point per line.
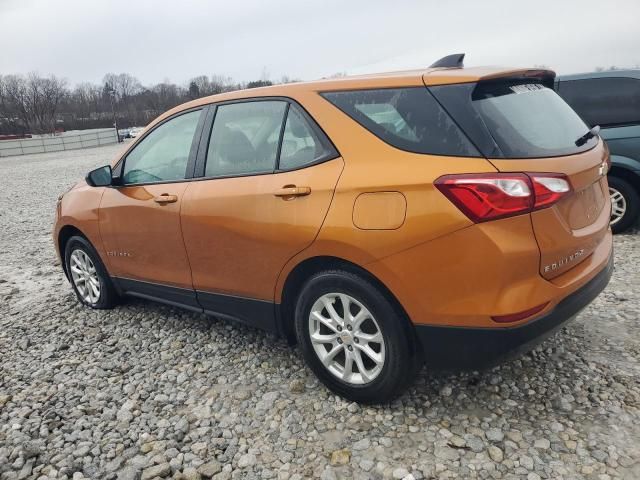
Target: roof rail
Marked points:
450	61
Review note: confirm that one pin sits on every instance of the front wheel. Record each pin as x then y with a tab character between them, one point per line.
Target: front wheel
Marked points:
88	276
353	338
625	204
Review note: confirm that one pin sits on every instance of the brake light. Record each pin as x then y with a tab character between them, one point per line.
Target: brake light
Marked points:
490	196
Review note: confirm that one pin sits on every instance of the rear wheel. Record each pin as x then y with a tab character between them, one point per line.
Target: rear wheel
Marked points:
87	274
625	204
353	338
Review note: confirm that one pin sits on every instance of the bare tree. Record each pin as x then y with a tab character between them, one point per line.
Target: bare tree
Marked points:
123	85
15	100
221	84
211	86
45	95
33	100
202	84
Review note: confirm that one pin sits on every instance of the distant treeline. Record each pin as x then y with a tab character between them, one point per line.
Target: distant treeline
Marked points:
37	104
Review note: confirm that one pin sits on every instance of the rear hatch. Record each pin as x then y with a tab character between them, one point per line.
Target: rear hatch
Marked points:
569	231
522	125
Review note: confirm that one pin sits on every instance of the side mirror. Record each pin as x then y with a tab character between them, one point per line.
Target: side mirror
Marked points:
100	177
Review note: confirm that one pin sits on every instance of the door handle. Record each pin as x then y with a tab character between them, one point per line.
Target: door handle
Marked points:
165	198
292	191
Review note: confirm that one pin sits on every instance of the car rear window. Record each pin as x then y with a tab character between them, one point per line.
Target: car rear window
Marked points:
527	119
407	118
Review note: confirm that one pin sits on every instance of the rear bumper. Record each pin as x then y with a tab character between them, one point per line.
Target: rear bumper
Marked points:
467	347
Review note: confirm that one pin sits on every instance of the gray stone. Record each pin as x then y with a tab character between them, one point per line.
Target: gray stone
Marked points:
296	386
495	453
400	473
446	453
247	460
446	391
129	473
162	470
191	473
474	443
366	465
542	444
526	462
361	444
494	435
209	469
114	465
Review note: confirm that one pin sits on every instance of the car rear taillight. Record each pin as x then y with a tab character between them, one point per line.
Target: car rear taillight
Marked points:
489	196
548	189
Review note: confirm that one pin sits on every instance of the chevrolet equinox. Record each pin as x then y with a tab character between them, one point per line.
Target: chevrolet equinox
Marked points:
450	215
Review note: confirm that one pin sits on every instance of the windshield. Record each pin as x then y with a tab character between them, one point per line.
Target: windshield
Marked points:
529	120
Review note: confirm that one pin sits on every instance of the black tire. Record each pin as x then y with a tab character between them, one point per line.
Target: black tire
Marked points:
401	362
108	297
632	200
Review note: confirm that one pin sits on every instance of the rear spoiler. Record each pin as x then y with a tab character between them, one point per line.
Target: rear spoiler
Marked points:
456	75
456	60
546	77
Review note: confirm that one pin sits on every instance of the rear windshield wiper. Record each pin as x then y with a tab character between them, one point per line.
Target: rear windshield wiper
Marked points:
587	136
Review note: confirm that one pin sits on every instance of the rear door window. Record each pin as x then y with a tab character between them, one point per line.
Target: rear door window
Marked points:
244	138
302	142
407	118
604	101
529	120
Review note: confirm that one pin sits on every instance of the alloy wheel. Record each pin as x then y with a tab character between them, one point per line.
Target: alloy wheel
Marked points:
84	276
346	338
618	205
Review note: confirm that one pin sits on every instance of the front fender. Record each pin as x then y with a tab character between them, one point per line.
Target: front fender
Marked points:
79	210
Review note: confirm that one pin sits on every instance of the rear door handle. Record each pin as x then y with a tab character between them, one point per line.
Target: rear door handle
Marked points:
165	198
292	191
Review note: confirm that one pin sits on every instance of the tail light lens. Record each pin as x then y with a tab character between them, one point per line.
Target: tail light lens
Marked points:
483	197
549	189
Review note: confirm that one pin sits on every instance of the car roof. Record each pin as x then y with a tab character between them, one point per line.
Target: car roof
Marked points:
407	78
628	73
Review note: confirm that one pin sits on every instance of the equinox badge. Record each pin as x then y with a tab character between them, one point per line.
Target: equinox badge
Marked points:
563	261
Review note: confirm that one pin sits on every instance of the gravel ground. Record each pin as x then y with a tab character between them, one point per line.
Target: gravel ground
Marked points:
146	391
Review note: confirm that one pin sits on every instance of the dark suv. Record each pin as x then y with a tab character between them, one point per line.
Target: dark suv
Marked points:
611	100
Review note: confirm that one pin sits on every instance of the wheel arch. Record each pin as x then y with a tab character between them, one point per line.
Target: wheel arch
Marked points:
625	173
308	267
64	235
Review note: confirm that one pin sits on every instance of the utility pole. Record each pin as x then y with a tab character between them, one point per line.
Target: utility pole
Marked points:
112	94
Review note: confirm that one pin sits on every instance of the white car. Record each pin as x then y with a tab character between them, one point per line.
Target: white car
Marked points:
134	132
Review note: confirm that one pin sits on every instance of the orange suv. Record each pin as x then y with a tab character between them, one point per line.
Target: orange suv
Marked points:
450	216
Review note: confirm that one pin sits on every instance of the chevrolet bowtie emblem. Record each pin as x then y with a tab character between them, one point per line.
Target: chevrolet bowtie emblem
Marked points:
603	169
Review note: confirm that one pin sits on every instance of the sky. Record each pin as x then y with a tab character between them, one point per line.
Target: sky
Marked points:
81	40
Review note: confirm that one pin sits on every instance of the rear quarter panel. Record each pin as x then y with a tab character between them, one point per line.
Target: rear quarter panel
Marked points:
373	166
